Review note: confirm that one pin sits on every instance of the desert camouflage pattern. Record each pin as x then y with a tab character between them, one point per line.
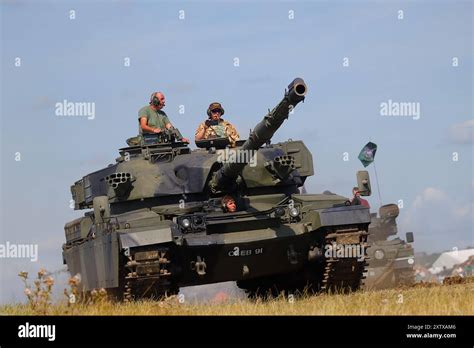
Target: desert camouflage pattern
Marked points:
223	130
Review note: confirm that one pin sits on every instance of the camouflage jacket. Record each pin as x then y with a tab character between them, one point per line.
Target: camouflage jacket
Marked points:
223	129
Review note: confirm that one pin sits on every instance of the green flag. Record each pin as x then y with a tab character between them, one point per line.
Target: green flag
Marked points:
367	154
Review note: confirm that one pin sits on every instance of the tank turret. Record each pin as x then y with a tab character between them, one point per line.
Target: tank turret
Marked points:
261	134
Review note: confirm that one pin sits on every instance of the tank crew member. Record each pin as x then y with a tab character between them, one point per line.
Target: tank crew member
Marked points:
228	204
215	126
357	199
152	119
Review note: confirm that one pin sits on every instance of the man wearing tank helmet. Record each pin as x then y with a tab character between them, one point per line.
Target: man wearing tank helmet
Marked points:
152	119
215	126
228	204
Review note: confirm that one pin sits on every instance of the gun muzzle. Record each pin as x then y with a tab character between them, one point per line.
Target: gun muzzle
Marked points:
297	90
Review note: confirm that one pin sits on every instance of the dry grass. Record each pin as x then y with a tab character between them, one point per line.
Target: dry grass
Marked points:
455	299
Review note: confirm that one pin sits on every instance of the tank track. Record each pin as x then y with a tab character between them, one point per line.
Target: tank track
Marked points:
148	275
333	275
345	274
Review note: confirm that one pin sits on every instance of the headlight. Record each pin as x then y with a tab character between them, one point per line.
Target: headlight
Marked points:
379	254
198	220
294	212
279	212
185	223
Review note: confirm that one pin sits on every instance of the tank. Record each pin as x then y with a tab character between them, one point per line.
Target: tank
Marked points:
391	259
155	221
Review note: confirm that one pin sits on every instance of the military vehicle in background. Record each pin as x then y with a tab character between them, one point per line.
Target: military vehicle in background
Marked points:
156	222
391	260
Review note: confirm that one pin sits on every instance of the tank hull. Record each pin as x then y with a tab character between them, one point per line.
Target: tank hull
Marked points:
396	268
160	258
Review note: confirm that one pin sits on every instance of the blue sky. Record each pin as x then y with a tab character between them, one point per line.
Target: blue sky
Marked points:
192	62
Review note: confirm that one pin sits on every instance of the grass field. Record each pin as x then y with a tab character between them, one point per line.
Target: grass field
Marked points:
429	300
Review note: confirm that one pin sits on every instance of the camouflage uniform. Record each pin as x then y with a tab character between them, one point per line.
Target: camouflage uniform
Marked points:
223	130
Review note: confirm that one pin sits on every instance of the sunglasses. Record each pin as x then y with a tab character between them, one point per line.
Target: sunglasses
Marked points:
215	111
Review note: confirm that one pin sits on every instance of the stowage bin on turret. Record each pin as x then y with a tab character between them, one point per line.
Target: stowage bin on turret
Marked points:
156	222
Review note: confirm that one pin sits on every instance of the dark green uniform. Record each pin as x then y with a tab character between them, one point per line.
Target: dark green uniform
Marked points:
155	119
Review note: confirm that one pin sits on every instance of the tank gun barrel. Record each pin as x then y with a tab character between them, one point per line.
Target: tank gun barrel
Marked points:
261	134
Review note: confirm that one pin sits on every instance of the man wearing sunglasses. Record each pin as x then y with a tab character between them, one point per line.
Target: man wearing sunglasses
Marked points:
215	126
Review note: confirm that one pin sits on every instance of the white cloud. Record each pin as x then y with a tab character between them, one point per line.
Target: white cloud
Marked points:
463	211
430	194
463	132
439	221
